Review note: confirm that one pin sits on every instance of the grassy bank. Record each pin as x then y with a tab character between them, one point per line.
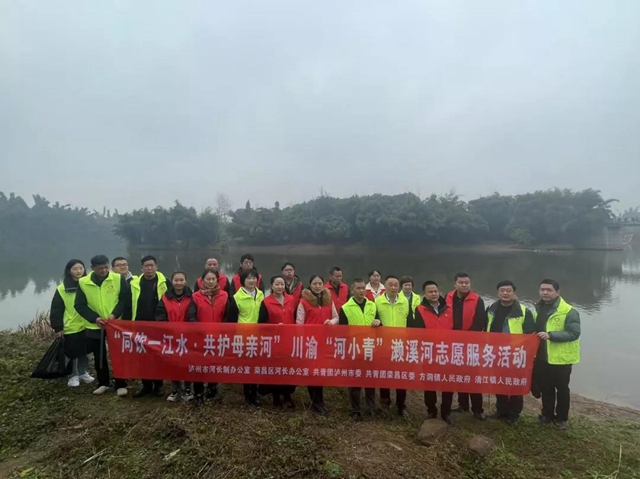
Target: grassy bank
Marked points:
50	430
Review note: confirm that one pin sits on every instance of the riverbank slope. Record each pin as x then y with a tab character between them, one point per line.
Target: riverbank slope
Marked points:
50	430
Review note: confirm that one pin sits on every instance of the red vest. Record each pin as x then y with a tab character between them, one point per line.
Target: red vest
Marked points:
340	298
211	312
223	281
176	309
468	308
295	294
279	313
237	285
433	321
316	314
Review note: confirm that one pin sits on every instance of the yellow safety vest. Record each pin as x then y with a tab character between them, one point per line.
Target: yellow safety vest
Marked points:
561	352
135	291
248	306
102	299
356	316
393	315
511	325
415	301
73	322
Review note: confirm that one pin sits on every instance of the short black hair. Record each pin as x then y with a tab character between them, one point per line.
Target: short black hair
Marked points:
314	276
148	258
178	272
506	282
374	271
277	276
99	260
248	256
118	258
287	264
429	283
245	274
552	282
390	276
358	280
334	269
209	270
460	275
406	279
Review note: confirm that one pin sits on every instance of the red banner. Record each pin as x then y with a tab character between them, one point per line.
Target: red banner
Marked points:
397	358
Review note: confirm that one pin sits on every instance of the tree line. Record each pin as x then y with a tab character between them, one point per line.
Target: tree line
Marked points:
551	216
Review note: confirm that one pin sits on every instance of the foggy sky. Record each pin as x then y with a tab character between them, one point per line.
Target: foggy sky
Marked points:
127	104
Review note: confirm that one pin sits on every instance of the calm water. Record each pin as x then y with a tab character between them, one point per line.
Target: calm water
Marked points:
603	286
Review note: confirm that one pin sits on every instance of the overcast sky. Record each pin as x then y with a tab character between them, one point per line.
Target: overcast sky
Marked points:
137	103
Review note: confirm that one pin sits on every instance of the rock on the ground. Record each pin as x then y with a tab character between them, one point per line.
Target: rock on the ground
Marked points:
431	431
481	445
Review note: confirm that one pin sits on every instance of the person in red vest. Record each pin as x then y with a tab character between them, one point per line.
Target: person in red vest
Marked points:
468	315
374	287
247	263
223	281
433	313
317	307
292	284
279	308
340	293
209	305
174	307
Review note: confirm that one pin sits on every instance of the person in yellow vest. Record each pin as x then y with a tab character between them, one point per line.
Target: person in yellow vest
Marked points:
393	311
558	326
359	311
68	324
146	292
101	296
406	285
508	316
244	308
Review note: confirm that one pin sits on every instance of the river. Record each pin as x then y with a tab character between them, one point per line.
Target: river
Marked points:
602	285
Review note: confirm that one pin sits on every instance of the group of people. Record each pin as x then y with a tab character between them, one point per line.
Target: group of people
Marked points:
84	302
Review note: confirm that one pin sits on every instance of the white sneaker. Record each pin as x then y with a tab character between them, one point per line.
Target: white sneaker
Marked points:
101	390
74	382
86	378
122	392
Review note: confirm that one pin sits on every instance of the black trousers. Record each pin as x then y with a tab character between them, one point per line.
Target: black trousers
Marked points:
97	347
554	385
476	402
354	398
282	391
316	394
431	401
509	406
152	384
250	391
401	397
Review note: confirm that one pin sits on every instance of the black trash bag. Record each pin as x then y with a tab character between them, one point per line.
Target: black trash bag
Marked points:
54	363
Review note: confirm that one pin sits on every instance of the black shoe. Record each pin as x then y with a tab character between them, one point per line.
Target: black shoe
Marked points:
460	409
432	415
535	392
277	401
325	409
448	420
317	408
402	412
211	393
142	392
252	401
158	393
498	415
198	399
356	416
544	419
289	402
512	421
561	425
480	416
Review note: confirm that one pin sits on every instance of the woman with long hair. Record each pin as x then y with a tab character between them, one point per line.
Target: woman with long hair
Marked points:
68	324
316	307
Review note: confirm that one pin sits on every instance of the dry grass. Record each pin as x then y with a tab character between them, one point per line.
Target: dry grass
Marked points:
39	327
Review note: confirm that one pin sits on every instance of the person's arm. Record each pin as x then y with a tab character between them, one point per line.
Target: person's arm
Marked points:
334	315
124	299
301	314
529	325
83	309
343	320
161	312
417	321
56	316
571	329
263	314
261	285
232	311
192	312
232	286
480	318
